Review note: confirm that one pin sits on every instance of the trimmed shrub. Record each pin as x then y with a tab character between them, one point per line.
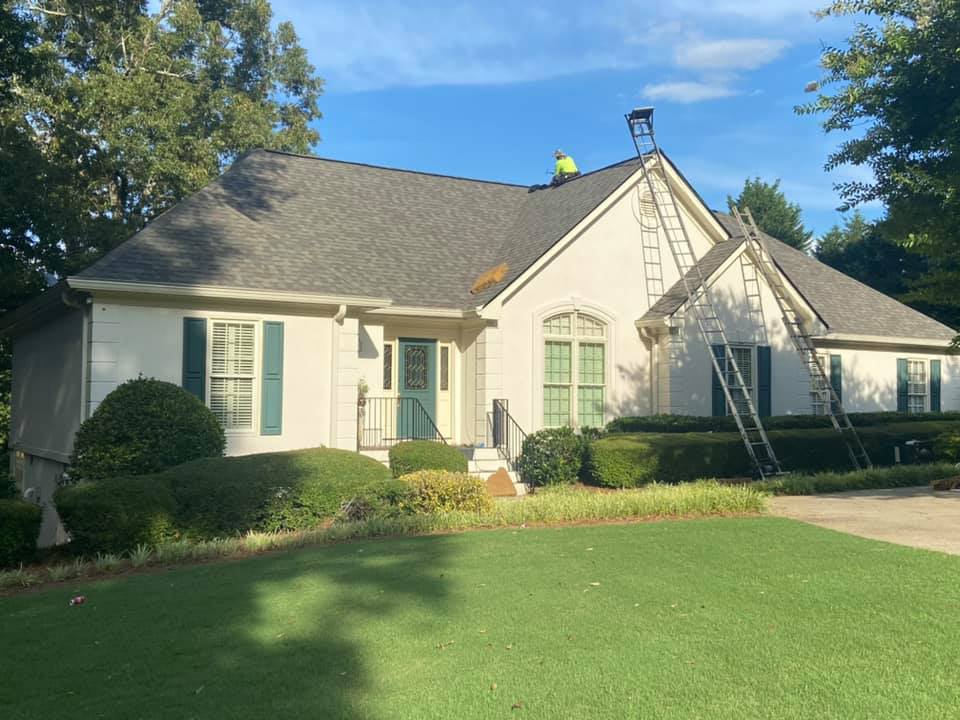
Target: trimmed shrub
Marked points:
218	497
551	457
19	528
144	426
946	447
117	514
631	460
413	455
444	491
696	423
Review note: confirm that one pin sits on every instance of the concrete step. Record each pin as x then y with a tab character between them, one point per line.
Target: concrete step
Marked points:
482	462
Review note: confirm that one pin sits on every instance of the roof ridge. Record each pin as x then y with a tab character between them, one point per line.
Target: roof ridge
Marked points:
304	156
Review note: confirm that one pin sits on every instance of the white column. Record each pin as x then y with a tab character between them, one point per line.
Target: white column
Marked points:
346	375
489	384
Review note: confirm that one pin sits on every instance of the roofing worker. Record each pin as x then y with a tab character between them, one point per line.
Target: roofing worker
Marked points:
565	168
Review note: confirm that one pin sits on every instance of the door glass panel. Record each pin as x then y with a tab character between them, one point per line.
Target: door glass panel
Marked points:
415	367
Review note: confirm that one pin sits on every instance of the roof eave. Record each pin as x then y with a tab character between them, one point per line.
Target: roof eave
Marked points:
224	293
855	338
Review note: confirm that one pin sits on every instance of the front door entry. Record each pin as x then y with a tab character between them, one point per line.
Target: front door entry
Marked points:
417	379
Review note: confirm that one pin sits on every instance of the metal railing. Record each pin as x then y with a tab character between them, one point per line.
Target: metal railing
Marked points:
506	434
383	422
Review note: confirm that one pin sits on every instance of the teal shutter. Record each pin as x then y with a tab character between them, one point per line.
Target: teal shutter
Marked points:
903	381
764	378
271	402
934	386
195	356
836	377
719	399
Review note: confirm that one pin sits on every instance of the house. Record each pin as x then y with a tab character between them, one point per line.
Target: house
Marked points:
310	301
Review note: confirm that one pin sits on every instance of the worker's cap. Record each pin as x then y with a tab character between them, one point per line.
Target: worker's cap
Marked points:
558	153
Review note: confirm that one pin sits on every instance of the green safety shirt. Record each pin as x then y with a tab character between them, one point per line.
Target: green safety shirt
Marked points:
566	166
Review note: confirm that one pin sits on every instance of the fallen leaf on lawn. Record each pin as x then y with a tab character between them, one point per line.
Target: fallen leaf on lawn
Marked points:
674	605
518	705
445	645
281	635
493	686
589	548
481	631
199	690
509	647
636	604
595	584
570	637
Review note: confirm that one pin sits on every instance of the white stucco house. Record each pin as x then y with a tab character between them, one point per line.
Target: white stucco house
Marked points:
289	282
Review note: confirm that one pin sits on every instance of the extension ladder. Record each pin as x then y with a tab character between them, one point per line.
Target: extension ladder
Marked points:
822	389
699	301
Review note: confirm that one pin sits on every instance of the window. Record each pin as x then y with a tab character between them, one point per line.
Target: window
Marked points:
917	386
232	373
820	395
574	370
388	366
743	357
444	368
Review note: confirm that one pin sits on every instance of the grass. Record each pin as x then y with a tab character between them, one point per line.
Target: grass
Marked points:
876	478
547	506
716	618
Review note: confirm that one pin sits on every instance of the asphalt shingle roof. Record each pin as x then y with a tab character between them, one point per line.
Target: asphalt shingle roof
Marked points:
844	304
282	222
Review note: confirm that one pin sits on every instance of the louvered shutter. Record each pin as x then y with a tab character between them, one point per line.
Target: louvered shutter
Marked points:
934	386
903	385
764	381
195	356
719	399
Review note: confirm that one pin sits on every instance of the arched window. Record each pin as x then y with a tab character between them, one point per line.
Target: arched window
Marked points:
574	370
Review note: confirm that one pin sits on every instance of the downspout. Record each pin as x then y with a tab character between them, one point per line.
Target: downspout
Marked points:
340	314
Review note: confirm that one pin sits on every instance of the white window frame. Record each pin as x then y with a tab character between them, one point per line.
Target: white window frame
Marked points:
752	385
924	394
574	340
256	377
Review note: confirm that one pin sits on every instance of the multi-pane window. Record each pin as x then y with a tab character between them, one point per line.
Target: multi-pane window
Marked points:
444	368
917	386
743	357
574	370
388	366
232	373
820	395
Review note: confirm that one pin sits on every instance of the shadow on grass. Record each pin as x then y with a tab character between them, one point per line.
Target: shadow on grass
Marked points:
282	635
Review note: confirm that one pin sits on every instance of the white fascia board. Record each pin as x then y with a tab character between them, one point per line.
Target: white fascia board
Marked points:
425	312
939	345
224	293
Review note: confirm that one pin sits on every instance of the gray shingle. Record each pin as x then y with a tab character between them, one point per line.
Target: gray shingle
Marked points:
293	223
844	304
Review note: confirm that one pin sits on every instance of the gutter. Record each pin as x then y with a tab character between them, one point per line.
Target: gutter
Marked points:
225	293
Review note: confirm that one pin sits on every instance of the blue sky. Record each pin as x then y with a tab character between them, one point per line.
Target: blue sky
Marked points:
489	89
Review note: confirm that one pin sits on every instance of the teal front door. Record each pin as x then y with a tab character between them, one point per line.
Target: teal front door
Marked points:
417	379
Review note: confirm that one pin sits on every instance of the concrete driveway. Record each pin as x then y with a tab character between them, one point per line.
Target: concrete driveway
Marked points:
918	516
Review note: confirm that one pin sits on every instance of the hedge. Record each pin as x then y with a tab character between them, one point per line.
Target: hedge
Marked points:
553	456
696	423
413	455
117	514
631	460
293	490
19	528
142	427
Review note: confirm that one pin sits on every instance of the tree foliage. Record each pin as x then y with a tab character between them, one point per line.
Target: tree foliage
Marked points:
893	91
774	214
111	112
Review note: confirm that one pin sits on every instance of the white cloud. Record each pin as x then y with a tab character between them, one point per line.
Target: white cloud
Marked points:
686	92
733	54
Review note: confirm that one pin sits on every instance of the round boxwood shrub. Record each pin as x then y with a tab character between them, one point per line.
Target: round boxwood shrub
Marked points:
551	457
117	514
413	455
143	426
19	528
445	491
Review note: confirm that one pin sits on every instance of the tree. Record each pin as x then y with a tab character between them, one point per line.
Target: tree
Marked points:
774	214
894	92
110	113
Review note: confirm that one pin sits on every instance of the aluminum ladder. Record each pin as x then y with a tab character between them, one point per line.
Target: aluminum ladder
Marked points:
699	301
822	389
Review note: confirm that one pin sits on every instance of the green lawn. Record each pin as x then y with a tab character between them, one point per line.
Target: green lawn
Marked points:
721	618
